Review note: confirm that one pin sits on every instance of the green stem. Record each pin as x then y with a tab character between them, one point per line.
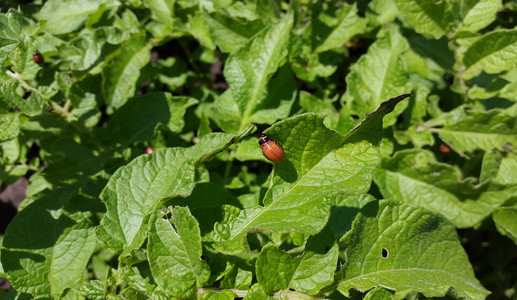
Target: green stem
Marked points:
62	111
55	107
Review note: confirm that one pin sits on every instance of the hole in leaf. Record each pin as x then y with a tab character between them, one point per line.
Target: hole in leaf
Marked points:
385	253
26	95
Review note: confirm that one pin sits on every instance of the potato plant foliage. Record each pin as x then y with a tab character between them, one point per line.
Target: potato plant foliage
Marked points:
397	119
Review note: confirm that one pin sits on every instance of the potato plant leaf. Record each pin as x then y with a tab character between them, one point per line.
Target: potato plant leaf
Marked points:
163	10
478	14
158	175
64	17
162	174
319	163
139	117
47	246
121	76
230	34
481	130
405	248
428	17
249	69
12	25
494	52
377	75
309	272
174	251
414	176
505	219
346	24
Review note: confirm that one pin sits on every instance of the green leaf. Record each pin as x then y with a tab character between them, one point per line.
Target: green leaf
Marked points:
281	92
174	251
277	270
379	74
344	210
381	12
318	163
213	295
13	105
66	16
224	111
505	218
481	130
207	204
494	52
121	76
9	126
437	51
248	150
404	249
165	173
311	103
138	118
47	246
428	17
344	26
140	278
477	14
70	162
379	293
249	69
163	10
212	144
13	33
256	292
12	102
198	27
229	34
506	173
317	265
81	52
414	176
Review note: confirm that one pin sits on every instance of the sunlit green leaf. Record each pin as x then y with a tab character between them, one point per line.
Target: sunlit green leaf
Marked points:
174	251
494	52
428	17
406	248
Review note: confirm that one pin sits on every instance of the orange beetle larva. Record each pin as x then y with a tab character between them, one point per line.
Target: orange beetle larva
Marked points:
271	149
37	57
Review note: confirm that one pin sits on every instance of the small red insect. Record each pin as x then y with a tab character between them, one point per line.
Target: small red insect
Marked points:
444	148
37	57
271	149
149	150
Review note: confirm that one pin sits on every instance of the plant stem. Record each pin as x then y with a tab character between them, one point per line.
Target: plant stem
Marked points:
56	107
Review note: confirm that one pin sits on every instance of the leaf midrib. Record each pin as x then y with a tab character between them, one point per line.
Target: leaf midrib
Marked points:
263	75
267	208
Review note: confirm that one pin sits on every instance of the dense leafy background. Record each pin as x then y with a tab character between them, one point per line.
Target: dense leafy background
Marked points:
414	197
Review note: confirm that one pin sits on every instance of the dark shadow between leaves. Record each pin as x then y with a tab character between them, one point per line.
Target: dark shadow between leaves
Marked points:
341	218
286	171
14	264
35	228
371	209
206	204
